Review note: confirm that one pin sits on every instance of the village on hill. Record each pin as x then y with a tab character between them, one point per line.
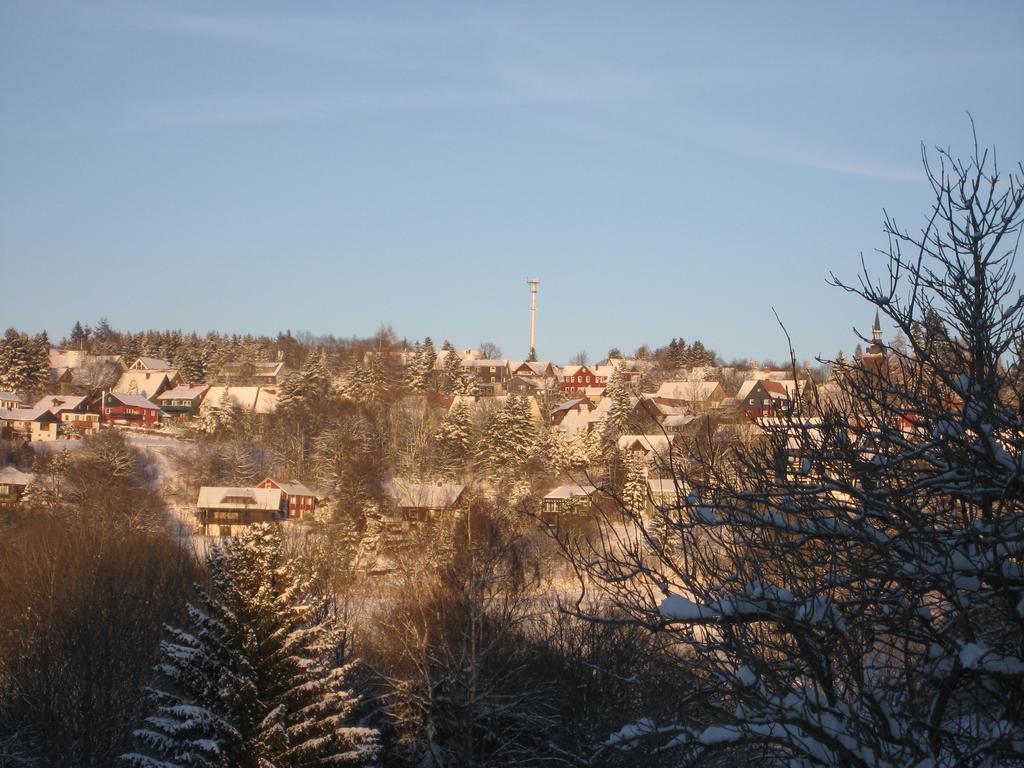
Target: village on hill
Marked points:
438	427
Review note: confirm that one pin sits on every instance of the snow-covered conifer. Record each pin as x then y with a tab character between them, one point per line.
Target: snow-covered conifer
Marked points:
251	680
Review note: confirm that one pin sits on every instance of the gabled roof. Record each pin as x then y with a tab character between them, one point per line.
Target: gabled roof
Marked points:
250	399
183	393
151	364
11	397
268	369
692	391
129	401
538	367
28	414
58	403
12	476
568	405
294	488
570	490
226	497
659	444
146	381
409	495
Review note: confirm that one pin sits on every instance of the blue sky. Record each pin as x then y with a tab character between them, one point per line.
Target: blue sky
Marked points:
666	170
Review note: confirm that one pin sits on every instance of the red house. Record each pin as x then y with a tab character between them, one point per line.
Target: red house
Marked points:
579	378
131	410
296	499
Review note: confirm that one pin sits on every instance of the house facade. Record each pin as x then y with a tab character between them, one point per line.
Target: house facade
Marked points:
74	412
579	379
13	483
32	424
129	410
297	501
182	403
228	511
764	398
422	502
10	400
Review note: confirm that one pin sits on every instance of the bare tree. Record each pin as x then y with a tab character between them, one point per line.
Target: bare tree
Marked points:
850	586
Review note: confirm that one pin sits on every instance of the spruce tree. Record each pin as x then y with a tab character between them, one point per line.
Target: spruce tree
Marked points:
426	363
252	681
510	438
454	435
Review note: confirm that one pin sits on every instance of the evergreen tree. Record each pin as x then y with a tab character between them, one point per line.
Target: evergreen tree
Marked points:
621	407
509	439
426	363
412	369
219	416
457	379
377	384
24	362
634	487
455	435
78	338
306	388
253	681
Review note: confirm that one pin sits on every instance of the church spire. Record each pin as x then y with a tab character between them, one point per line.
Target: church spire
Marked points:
876	330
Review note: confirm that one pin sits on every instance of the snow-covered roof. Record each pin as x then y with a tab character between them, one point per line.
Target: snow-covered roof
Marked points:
222	497
688	390
464	354
25	414
151	364
570	490
294	488
144	382
665	486
660	444
538	367
266	400
484	363
244	398
11	397
59	403
67	358
267	369
575	422
677	420
183	393
130	401
12	476
407	494
568	405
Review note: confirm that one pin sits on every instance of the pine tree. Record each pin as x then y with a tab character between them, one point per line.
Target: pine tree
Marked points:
252	681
